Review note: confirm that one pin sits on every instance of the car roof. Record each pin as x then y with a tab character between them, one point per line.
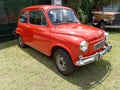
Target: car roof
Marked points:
45	7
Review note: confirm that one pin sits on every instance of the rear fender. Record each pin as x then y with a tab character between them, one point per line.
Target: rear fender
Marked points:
20	32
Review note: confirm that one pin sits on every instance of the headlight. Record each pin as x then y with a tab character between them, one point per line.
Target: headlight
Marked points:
83	46
106	36
106	20
112	17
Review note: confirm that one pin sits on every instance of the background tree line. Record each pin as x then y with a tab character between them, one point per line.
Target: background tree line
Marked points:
83	8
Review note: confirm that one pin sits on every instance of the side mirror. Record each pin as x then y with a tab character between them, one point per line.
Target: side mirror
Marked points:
23	20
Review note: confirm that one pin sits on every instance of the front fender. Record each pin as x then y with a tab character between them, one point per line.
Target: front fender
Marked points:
66	48
69	43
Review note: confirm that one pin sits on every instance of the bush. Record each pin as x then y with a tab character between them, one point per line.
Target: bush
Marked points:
82	16
82	8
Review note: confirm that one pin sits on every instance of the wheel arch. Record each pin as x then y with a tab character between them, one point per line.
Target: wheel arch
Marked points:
19	32
65	48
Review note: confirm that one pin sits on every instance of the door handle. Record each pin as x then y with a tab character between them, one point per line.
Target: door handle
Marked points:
41	30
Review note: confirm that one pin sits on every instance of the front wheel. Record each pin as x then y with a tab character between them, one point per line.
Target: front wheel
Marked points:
63	62
20	42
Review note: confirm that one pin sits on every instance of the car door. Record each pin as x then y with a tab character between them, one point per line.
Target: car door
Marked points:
25	28
40	30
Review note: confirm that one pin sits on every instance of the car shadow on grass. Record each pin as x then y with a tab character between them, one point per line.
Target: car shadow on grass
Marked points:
6	42
85	77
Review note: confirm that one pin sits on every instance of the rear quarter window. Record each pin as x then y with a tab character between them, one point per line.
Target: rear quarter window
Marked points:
23	17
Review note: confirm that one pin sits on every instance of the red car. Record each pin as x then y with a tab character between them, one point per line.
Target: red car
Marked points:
56	31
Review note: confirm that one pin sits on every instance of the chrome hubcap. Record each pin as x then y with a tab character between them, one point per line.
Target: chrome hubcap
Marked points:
20	40
61	63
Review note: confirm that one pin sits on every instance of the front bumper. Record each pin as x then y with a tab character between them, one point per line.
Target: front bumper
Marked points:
112	26
95	57
106	26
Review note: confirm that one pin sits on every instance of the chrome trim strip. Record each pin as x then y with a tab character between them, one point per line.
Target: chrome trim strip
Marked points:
103	41
112	26
95	57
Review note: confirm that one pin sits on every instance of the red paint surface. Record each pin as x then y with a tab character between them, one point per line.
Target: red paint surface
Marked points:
67	36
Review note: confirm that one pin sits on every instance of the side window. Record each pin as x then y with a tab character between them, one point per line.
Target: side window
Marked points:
23	17
37	17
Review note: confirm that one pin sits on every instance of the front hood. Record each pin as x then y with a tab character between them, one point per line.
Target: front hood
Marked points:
88	33
111	13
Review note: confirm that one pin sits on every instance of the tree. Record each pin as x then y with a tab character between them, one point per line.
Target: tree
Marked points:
83	8
103	2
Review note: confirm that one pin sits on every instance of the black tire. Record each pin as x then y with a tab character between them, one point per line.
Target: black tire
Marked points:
102	26
20	42
63	62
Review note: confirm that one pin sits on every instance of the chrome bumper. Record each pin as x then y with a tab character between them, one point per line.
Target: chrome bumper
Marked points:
95	57
112	26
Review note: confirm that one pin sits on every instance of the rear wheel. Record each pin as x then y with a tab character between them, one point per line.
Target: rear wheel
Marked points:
20	42
63	62
102	25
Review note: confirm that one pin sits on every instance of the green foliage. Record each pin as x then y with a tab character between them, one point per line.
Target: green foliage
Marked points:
2	4
83	8
83	17
103	2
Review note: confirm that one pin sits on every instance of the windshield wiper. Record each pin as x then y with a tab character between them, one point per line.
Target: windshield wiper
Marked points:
64	22
59	22
71	21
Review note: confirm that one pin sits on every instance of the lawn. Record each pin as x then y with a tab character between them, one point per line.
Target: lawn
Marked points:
27	69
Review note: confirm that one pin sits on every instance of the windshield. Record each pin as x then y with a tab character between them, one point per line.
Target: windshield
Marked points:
61	16
110	9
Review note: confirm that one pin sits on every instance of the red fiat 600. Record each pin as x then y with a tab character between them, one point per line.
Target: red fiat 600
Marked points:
56	31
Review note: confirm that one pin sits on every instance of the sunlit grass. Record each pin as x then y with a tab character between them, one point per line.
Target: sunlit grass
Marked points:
27	69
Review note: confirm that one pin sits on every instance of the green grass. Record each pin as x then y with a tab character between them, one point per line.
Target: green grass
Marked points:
27	69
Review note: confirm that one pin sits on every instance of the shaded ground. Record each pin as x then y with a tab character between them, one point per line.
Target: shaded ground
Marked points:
8	38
